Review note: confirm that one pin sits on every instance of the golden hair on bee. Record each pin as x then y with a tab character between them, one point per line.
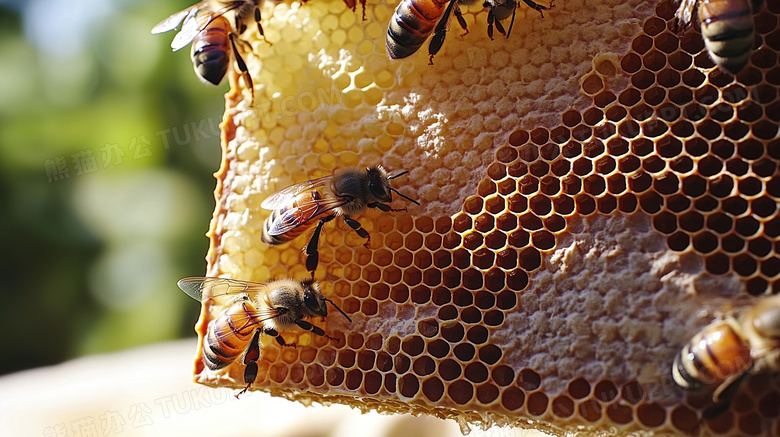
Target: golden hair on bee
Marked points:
345	193
253	309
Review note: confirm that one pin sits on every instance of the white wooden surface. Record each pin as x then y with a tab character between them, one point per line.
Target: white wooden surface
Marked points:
148	392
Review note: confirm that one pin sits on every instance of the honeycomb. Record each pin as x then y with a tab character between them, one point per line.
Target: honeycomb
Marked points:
593	192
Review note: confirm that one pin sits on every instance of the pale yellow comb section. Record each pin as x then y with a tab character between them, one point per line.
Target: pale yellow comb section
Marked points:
593	191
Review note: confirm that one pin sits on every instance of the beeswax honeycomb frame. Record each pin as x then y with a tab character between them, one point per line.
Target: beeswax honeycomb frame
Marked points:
587	187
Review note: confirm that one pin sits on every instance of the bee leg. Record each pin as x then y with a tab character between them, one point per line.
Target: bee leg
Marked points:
538	7
500	28
316	330
355	225
260	26
715	410
279	339
439	33
461	20
723	396
250	361
385	208
511	23
490	19
311	250
363	5
242	68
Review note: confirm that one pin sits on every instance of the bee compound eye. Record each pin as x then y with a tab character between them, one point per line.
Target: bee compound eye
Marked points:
377	189
311	301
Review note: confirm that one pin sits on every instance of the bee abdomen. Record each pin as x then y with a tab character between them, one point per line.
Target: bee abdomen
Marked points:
296	223
680	374
219	352
229	334
266	235
210	55
727	28
411	24
713	356
216	354
273	239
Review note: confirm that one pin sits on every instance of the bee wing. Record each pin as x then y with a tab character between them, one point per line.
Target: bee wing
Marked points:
250	318
190	29
174	20
195	23
684	14
285	196
200	288
247	318
294	217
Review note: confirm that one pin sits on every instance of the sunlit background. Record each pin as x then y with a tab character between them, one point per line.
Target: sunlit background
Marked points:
108	143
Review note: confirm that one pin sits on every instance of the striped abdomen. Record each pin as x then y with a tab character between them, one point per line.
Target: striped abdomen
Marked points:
292	220
714	356
211	51
229	334
411	24
727	29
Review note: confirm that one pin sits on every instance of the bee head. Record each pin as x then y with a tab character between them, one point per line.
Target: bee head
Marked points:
390	190
378	184
315	301
313	298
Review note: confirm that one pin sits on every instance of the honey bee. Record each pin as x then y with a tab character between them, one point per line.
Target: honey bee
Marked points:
212	36
726	26
720	356
256	308
415	20
499	10
345	193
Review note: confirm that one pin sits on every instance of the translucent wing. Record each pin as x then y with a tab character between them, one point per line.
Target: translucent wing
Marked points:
283	197
304	213
685	14
174	20
190	29
193	22
224	331
200	288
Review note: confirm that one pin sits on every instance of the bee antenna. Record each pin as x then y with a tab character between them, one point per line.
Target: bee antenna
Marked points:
405	196
396	175
340	310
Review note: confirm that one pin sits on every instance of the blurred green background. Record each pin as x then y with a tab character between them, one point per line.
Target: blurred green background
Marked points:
108	145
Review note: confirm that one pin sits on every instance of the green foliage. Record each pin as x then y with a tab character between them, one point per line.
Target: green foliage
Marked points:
102	208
